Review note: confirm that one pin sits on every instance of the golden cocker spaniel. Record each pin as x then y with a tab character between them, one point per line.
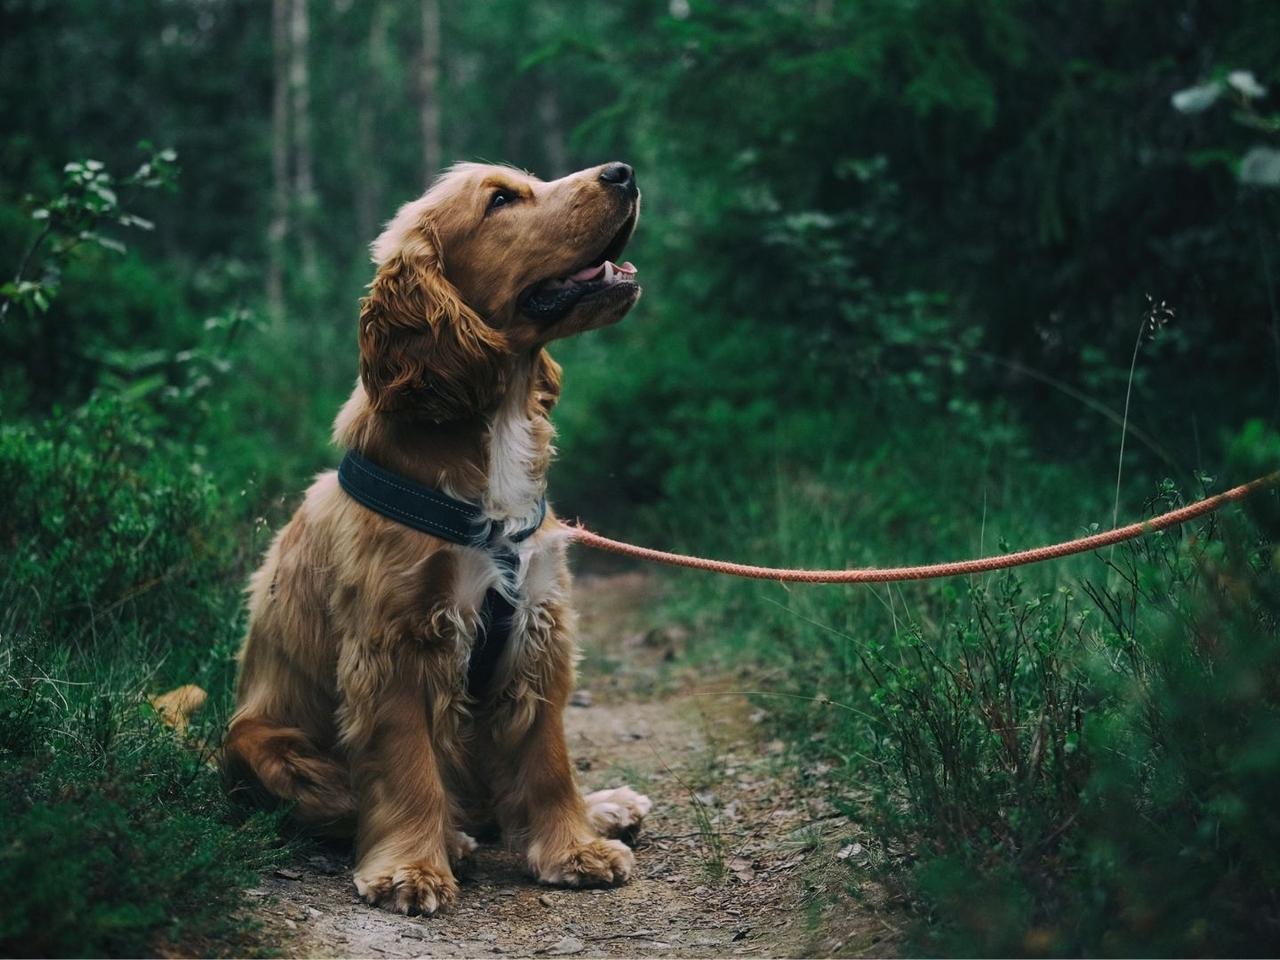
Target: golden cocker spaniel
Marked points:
409	685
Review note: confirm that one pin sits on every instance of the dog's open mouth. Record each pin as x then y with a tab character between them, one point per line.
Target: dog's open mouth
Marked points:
551	299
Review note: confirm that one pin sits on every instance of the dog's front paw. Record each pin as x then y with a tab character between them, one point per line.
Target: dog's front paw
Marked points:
589	863
412	888
460	846
617	813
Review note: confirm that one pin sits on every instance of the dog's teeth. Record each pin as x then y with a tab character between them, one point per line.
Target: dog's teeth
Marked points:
608	272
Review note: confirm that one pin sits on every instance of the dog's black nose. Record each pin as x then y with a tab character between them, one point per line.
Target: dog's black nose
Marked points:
620	174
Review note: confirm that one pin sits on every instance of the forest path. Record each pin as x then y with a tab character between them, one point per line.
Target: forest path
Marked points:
732	861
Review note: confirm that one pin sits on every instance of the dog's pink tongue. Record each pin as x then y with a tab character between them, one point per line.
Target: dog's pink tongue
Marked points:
592	273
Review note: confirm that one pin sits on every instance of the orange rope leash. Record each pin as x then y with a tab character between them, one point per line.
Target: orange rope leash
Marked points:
582	535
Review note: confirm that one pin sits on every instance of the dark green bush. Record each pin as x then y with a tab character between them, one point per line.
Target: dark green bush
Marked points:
122	579
118	837
106	520
1078	778
1112	796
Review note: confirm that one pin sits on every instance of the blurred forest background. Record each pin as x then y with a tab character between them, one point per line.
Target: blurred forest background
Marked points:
910	267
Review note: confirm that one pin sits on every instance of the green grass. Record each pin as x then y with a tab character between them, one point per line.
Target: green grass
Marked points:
1076	758
118	837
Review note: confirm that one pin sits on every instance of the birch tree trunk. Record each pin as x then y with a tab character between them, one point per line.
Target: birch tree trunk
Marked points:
553	140
304	185
278	228
368	186
429	89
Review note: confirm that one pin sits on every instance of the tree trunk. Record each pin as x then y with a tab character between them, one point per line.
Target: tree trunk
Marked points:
553	141
278	228
429	89
304	185
368	185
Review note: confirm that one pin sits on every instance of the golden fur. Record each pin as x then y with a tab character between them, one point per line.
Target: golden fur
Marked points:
352	703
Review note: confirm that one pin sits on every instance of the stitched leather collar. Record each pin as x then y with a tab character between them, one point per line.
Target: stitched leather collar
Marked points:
424	508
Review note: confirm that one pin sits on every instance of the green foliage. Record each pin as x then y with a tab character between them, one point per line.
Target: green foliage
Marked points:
1071	760
74	217
1260	164
933	150
1110	792
122	579
105	520
118	839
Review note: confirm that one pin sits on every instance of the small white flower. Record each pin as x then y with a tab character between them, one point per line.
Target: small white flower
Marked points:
1196	99
1260	167
1247	84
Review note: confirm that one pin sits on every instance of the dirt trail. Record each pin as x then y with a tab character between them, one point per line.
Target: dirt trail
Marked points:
731	862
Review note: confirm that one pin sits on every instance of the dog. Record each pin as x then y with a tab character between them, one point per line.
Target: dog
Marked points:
403	682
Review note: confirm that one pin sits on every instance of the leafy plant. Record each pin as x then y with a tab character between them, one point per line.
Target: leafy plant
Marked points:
106	520
118	838
89	200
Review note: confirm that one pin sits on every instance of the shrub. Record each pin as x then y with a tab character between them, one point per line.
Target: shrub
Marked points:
104	521
1099	778
122	578
118	838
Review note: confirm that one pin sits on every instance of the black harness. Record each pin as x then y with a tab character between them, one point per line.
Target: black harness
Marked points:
458	521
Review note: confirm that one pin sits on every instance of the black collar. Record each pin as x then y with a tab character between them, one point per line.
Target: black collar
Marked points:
424	508
458	521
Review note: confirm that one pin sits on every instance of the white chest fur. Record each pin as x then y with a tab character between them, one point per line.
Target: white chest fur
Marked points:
517	460
516	483
538	594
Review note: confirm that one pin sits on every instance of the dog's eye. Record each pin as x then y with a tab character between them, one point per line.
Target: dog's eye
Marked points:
501	198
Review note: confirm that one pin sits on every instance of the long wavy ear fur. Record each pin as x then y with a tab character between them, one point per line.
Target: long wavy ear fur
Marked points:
423	352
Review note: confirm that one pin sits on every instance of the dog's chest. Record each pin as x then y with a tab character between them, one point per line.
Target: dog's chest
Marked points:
508	595
534	585
531	579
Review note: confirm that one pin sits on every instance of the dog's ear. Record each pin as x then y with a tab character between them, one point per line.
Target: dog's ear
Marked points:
423	352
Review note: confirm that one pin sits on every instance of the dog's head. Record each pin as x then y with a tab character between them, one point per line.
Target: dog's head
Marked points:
488	265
